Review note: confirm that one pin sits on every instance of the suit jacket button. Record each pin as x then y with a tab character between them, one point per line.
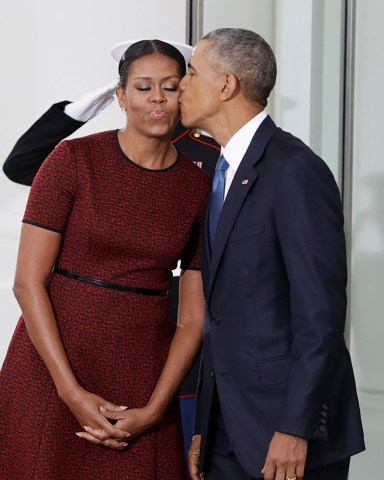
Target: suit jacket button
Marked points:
325	406
323	414
322	428
323	421
215	320
212	373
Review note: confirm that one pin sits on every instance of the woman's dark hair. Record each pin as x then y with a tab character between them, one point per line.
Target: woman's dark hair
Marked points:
146	47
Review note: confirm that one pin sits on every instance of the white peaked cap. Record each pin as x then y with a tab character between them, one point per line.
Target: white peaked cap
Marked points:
118	49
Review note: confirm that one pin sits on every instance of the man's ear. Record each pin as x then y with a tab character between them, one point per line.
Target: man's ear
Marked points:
231	86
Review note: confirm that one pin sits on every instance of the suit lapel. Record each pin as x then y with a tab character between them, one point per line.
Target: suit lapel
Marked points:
206	251
245	177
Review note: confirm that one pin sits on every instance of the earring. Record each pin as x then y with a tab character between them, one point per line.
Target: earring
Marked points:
123	109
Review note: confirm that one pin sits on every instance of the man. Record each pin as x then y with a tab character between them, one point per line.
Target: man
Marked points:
277	395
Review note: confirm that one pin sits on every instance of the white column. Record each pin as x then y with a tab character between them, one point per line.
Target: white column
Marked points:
310	71
293	52
367	263
257	15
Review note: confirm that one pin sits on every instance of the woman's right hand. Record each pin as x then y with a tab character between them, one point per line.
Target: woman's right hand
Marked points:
85	407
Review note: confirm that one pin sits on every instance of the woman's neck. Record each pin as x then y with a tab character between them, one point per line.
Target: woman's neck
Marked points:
148	152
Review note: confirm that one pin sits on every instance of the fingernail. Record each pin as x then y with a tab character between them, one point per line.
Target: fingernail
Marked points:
102	409
123	408
78	434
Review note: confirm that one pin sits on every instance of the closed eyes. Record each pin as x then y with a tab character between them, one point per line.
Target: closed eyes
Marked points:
146	88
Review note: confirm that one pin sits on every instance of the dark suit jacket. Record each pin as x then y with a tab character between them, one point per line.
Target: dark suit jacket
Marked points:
276	304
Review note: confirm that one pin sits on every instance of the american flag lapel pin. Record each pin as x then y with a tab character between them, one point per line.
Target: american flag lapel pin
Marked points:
245	181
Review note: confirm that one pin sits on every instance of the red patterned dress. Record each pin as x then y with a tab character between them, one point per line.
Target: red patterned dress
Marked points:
122	224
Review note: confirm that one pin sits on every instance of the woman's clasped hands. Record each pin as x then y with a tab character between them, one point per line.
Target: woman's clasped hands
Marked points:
122	424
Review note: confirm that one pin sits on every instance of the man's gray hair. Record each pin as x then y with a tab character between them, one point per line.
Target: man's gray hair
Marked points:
246	55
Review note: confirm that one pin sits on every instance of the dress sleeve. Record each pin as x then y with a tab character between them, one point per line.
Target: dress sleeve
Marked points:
191	258
53	190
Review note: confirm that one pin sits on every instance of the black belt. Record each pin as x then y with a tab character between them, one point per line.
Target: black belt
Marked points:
115	286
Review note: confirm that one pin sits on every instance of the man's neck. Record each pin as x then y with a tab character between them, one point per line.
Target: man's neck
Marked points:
232	120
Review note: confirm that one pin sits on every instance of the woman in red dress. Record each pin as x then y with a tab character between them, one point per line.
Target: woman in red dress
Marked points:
94	358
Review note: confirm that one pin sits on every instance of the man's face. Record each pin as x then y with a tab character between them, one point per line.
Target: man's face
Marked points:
200	91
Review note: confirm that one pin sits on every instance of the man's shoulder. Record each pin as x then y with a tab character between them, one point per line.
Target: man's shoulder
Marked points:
288	154
289	145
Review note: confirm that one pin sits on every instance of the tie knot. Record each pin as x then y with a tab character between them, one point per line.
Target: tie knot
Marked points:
222	164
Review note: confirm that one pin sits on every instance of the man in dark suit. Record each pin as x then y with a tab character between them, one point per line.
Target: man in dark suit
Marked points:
277	394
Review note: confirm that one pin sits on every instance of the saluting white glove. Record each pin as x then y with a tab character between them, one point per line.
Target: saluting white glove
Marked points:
92	103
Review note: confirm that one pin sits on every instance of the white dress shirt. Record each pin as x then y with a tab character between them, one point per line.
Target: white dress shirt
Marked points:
235	149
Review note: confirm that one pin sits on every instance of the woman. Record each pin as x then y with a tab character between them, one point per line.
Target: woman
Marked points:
111	213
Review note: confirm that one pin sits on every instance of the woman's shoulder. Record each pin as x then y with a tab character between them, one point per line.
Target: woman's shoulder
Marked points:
194	181
83	151
95	139
193	169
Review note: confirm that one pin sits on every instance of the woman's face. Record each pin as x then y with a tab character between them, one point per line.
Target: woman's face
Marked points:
151	96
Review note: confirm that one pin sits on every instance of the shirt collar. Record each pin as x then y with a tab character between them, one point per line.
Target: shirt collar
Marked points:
235	149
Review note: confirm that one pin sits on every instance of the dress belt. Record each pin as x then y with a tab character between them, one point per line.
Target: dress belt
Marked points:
115	286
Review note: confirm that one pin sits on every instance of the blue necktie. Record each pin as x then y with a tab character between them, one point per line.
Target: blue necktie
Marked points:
217	197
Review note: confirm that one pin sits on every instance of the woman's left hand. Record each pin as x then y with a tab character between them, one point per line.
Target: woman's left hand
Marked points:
135	421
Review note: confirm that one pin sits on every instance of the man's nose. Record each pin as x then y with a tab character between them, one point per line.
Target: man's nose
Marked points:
183	83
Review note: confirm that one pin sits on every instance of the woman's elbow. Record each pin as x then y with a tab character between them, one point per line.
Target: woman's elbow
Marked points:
24	288
19	288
